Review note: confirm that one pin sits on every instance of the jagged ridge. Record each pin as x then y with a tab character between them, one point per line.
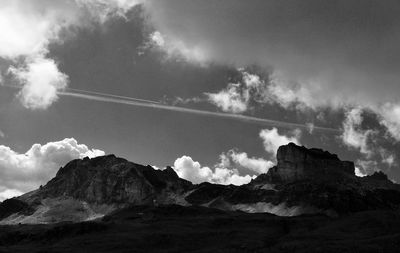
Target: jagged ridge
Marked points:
303	181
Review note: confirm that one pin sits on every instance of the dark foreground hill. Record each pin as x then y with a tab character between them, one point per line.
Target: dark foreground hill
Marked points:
175	228
304	181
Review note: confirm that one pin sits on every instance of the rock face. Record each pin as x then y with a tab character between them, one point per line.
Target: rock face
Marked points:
90	188
298	163
303	181
113	180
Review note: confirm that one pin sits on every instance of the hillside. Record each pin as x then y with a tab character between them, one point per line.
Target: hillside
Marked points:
304	181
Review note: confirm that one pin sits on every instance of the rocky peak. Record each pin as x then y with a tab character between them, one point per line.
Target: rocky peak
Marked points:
297	163
110	179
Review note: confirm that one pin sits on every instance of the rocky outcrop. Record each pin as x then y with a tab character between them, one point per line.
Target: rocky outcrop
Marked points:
113	180
87	189
303	181
298	163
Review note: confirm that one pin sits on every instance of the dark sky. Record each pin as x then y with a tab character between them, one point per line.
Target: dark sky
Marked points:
200	56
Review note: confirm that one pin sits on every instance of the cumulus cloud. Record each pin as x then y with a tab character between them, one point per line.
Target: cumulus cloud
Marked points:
315	48
226	170
236	97
20	173
272	140
360	172
390	117
257	165
229	99
353	136
175	49
387	157
29	27
41	80
309	41
289	94
366	167
191	170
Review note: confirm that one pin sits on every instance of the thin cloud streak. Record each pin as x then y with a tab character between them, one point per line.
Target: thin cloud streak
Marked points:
109	98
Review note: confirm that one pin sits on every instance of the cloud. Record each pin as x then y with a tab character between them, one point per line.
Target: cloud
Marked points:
312	42
366	167
191	170
29	27
360	172
321	54
387	157
226	170
7	193
236	97
272	140
288	94
390	117
175	49
257	165
41	82
353	136
25	172
229	99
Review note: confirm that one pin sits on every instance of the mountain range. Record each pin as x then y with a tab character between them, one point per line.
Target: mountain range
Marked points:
304	181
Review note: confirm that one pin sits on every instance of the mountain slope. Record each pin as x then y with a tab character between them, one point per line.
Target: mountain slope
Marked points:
303	181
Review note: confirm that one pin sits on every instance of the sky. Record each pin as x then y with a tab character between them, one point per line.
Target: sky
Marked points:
212	88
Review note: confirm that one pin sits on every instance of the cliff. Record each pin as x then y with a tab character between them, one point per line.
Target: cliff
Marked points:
304	181
113	180
298	163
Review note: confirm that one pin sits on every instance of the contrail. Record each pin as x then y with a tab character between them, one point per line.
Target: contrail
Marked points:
103	97
110	95
111	98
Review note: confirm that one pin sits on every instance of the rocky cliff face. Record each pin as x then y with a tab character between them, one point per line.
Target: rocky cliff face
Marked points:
90	188
303	181
298	163
113	180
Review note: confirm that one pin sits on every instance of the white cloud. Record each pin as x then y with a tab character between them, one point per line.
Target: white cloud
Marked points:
359	172
29	27
257	165
175	49
387	157
353	136
102	10
25	172
390	117
389	160
318	56
8	193
317	44
272	140
289	94
191	170
41	81
226	171
157	39
366	167
236	97
230	176
230	99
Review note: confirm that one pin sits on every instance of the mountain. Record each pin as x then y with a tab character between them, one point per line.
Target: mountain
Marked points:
304	181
